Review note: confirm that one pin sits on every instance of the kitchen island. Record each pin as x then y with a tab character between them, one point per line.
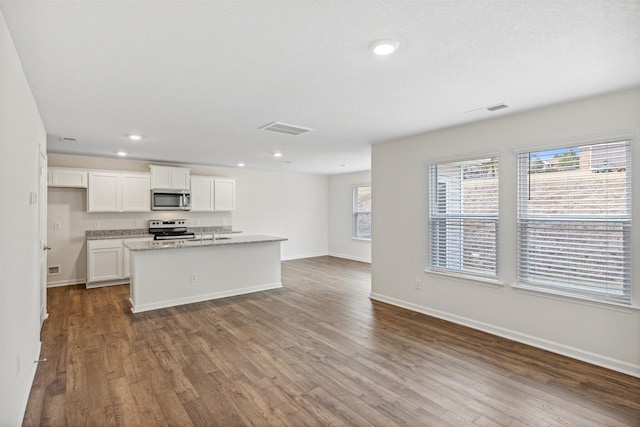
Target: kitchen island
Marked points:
175	272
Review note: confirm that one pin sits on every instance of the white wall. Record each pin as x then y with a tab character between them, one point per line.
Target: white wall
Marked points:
21	132
341	242
605	336
280	204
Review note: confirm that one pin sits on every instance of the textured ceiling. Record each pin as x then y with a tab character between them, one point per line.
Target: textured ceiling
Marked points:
198	79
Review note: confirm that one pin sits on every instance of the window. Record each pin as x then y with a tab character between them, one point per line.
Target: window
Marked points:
362	212
574	220
463	216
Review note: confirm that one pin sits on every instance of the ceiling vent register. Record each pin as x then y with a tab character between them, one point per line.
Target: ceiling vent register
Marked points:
285	128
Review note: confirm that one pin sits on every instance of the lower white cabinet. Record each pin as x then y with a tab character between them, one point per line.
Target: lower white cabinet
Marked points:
104	260
108	261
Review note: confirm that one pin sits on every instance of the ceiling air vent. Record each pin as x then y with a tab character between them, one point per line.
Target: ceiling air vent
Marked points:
497	107
285	128
68	139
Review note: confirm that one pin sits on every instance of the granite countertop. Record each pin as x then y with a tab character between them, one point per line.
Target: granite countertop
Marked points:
144	232
191	243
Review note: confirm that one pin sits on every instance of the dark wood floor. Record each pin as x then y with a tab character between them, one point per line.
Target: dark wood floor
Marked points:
316	352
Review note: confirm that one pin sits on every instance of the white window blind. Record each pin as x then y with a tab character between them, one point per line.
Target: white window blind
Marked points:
574	220
463	216
362	212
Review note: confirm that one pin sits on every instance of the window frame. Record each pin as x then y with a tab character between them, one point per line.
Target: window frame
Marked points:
573	292
435	180
355	212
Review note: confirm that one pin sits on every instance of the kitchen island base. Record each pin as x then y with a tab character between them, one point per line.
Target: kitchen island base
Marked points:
192	273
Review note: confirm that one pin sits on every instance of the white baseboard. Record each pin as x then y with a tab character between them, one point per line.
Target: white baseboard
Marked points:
57	283
292	257
204	297
555	347
27	392
351	257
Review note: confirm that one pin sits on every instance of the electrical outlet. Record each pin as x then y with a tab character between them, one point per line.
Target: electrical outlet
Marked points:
418	284
194	277
96	224
57	225
137	223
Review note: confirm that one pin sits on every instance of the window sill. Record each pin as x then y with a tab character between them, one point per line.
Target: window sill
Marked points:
479	280
575	299
361	238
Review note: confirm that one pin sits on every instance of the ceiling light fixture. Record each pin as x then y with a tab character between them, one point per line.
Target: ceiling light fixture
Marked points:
121	153
384	47
135	137
240	165
277	154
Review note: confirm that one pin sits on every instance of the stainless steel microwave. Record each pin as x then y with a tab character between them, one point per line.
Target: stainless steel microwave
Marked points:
170	200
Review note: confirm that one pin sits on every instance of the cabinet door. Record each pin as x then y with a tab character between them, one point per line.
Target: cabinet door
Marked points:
136	192
160	177
224	194
64	177
202	194
104	192
179	178
104	260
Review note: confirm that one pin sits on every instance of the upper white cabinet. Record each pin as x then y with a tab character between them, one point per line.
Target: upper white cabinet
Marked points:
119	192
136	192
169	178
202	194
67	177
224	194
210	194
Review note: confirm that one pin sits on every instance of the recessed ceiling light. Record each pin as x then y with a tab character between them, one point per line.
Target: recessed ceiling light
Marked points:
241	165
277	154
135	137
384	47
344	166
121	153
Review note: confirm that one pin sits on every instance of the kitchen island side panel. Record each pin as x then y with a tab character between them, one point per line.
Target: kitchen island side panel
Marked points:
170	277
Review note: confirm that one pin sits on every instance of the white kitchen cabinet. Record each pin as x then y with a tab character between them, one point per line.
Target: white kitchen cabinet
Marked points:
169	177
211	194
104	260
119	192
67	177
108	261
202	188
104	194
136	192
224	194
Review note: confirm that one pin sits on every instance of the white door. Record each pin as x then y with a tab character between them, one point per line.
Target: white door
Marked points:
42	235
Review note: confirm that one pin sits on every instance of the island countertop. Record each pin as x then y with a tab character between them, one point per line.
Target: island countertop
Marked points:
192	243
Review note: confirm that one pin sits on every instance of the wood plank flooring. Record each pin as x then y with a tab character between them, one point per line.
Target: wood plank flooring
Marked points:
317	352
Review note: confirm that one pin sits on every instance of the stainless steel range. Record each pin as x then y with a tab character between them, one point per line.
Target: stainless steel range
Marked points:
169	229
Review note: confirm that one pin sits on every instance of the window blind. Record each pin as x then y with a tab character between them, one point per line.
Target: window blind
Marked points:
463	216
574	220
